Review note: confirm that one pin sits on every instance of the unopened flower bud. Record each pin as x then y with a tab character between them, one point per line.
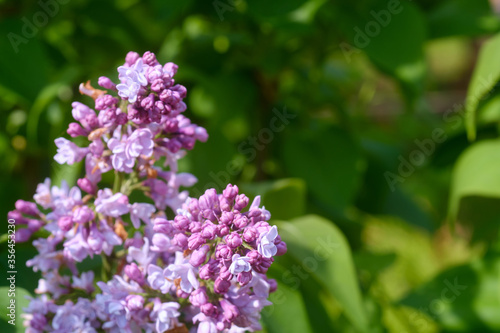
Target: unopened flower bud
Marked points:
134	273
106	83
199	256
221	286
28	208
233	240
244	277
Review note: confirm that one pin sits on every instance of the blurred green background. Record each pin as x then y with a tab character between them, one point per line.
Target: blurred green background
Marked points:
370	127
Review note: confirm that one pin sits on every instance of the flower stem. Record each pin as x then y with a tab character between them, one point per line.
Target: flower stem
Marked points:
119	176
106	268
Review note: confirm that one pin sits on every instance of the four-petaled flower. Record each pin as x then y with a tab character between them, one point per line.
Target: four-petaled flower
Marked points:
240	264
266	245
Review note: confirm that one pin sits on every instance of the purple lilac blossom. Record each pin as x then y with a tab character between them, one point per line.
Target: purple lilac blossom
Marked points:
203	270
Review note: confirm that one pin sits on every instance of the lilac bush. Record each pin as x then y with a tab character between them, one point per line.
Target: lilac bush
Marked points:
175	263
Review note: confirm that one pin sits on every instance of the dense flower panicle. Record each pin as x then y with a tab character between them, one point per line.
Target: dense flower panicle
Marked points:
202	270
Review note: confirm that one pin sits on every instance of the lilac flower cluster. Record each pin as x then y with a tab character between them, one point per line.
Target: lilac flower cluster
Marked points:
202	271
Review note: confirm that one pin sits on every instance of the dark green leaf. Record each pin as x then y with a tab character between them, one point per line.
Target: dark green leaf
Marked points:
323	252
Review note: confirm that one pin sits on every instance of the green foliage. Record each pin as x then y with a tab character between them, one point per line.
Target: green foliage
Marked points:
359	83
19	295
486	75
321	250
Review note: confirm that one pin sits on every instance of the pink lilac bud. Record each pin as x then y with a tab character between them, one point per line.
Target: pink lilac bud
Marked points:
28	208
208	231
201	134
65	223
86	185
240	202
96	148
161	242
149	58
95	239
181	241
121	119
244	277
195	227
250	234
148	102
75	130
205	272
181	90
174	145
221	286
208	199
199	256
181	222
255	257
162	225
195	241
222	230
158	86
225	204
181	294
223	252
230	192
106	101
225	273
273	285
208	270
134	302
83	214
263	265
134	273
106	83
240	221
255	212
34	225
38	322
23	235
281	246
199	297
17	216
170	68
131	58
208	309
222	325
193	207
226	217
230	311
233	240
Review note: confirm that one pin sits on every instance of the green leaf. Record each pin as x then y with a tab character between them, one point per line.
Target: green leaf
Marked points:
284	198
287	303
392	34
329	161
20	303
462	18
263	8
489	111
464	298
398	49
486	75
22	58
476	173
324	253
